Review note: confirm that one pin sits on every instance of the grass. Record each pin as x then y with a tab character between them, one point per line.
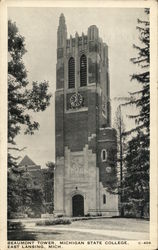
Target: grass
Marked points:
65	235
69	235
122	224
21	235
16	231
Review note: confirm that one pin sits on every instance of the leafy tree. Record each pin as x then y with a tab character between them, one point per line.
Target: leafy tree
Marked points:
22	99
19	192
136	184
51	166
37	197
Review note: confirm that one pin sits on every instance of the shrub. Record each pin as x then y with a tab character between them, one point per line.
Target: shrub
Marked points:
82	218
14	226
34	215
87	215
17	216
99	214
53	222
60	215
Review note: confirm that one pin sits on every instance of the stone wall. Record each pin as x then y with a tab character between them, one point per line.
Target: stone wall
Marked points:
80	175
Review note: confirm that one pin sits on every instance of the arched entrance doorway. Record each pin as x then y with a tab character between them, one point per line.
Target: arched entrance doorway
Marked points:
77	205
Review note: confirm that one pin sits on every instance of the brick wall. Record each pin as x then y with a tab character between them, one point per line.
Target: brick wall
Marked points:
107	141
75	130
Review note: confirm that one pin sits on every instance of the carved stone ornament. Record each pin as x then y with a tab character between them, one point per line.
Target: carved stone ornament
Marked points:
108	169
77	165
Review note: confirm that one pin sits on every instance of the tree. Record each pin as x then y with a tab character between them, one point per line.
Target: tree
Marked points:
136	184
19	182
21	100
49	186
51	166
37	197
120	128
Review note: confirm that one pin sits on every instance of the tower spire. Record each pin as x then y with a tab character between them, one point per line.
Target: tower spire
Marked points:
61	19
62	32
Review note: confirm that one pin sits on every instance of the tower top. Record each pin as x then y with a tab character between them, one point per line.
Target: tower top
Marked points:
62	32
93	32
62	19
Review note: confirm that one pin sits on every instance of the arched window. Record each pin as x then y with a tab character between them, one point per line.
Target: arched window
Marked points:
71	72
83	71
104	199
104	155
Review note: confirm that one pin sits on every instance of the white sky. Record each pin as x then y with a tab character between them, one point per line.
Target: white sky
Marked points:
117	27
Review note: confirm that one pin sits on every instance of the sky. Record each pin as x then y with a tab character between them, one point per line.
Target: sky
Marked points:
117	27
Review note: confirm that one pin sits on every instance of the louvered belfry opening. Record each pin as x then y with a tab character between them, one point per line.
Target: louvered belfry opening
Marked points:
71	72
83	70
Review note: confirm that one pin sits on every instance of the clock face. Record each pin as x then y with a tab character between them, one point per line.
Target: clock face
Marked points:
108	169
76	100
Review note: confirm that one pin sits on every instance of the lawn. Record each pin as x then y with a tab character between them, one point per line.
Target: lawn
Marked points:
124	224
66	235
57	235
117	225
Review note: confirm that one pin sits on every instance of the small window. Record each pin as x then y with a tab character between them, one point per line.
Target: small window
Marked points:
104	199
104	155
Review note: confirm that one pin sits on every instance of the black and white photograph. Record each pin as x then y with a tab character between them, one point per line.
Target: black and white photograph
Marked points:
80	166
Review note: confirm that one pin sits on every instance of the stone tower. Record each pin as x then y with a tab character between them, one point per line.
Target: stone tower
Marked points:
85	141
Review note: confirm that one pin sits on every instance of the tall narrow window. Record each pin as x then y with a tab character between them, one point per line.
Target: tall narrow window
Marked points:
104	155
71	72
104	199
83	70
